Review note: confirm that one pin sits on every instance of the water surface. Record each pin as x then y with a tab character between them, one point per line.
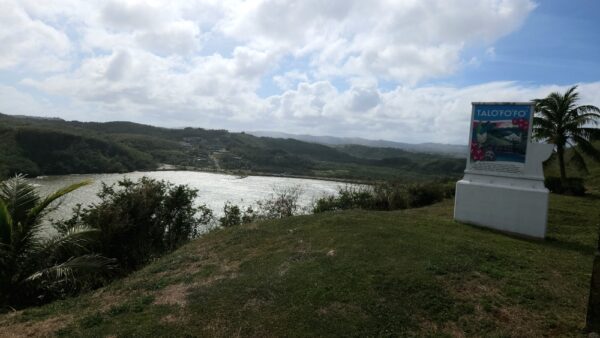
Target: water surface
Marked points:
214	190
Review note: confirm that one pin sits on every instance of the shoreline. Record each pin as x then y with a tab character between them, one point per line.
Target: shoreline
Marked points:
240	174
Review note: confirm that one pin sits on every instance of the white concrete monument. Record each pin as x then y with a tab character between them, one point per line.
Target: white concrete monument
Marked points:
503	187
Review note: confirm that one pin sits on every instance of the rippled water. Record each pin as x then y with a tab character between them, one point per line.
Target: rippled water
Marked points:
213	189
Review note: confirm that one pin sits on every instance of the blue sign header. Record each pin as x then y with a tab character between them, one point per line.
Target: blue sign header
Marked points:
495	112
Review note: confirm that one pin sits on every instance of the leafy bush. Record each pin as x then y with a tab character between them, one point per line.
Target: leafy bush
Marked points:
282	203
34	268
232	216
449	189
389	196
570	186
348	197
420	195
142	220
384	196
325	203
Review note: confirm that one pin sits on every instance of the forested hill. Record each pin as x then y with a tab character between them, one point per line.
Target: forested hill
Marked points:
39	146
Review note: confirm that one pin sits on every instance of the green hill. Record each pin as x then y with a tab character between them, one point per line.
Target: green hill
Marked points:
38	146
355	273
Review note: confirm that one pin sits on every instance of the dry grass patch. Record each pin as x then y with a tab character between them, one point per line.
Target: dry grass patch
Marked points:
172	295
44	328
106	299
343	310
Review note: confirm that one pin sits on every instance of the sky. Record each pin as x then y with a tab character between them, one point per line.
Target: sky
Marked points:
404	70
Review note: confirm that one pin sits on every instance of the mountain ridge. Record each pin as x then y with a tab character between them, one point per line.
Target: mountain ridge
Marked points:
454	150
35	146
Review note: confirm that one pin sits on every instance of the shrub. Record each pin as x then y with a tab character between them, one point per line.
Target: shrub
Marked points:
570	186
384	196
389	196
354	197
420	195
232	215
326	203
449	189
142	220
282	203
348	197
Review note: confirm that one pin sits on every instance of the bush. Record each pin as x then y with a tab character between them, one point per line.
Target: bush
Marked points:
326	203
384	196
571	186
449	189
348	197
142	220
420	195
232	215
282	203
389	196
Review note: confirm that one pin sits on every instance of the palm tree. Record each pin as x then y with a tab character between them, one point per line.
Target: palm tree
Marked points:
34	267
561	122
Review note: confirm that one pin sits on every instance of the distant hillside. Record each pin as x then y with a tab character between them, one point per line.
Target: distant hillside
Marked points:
41	146
434	148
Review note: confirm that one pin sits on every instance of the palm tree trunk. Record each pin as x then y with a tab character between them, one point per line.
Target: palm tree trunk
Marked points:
593	313
561	163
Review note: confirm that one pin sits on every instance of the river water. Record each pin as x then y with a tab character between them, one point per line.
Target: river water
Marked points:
214	190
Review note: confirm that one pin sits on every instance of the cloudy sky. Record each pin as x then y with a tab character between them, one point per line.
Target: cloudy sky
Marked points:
403	70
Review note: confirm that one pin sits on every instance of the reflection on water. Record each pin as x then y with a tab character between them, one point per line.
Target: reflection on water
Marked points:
213	189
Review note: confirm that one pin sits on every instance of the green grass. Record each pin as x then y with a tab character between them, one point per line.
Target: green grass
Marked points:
355	273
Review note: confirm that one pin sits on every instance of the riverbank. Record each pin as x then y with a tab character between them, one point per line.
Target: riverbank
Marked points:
246	173
354	273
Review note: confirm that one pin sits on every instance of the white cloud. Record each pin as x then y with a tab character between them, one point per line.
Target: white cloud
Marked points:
29	42
15	101
409	114
290	79
404	41
202	63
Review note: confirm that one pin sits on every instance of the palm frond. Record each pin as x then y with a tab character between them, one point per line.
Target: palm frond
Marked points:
578	160
580	121
19	197
570	99
542	122
591	134
589	117
6	227
585	146
75	266
551	160
37	211
74	240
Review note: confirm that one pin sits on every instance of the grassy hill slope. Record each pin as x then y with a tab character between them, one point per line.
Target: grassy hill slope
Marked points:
356	273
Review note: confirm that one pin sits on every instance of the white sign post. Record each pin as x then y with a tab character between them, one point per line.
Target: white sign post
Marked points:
503	187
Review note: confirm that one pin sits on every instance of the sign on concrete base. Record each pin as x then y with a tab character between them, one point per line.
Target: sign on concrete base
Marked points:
503	187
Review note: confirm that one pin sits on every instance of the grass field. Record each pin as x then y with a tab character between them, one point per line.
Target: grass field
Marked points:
355	273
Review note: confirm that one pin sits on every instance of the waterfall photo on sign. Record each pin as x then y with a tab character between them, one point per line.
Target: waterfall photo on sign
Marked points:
500	132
